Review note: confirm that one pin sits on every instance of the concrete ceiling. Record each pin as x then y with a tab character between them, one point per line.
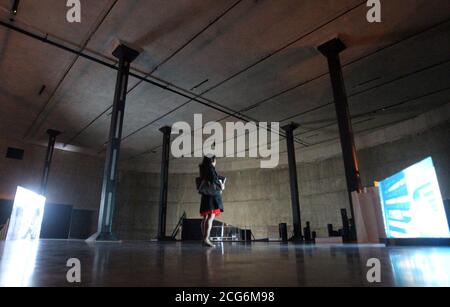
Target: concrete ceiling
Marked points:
257	57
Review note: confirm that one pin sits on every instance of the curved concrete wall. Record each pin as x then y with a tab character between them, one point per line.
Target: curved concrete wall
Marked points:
260	200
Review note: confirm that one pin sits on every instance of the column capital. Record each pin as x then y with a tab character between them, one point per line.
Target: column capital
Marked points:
53	133
290	127
166	130
332	47
125	52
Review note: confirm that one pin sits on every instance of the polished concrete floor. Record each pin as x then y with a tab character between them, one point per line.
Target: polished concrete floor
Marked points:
228	265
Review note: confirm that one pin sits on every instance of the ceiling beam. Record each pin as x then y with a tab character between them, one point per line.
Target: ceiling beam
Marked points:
200	96
321	76
371	88
182	47
82	54
40	118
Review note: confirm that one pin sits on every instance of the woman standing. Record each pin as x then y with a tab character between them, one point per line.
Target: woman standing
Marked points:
211	203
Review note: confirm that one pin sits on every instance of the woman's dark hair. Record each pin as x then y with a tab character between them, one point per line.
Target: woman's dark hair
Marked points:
206	164
208	161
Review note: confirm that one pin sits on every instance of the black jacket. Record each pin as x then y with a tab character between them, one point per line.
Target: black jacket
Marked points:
211	202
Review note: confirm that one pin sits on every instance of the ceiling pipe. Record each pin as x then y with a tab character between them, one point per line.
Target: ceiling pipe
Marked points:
46	40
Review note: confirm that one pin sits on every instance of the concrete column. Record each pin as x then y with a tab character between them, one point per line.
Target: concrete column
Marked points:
331	51
126	56
289	129
52	134
164	187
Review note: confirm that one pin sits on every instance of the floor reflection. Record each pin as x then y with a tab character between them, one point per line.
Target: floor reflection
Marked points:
18	261
425	267
138	264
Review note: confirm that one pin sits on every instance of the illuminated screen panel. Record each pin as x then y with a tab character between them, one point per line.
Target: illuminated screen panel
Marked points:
412	203
27	215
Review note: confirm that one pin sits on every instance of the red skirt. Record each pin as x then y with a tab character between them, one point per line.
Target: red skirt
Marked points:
216	212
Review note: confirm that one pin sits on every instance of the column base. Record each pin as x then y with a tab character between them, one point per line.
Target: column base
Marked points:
297	240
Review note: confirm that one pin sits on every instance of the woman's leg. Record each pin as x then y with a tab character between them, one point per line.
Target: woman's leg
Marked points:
204	221
209	225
